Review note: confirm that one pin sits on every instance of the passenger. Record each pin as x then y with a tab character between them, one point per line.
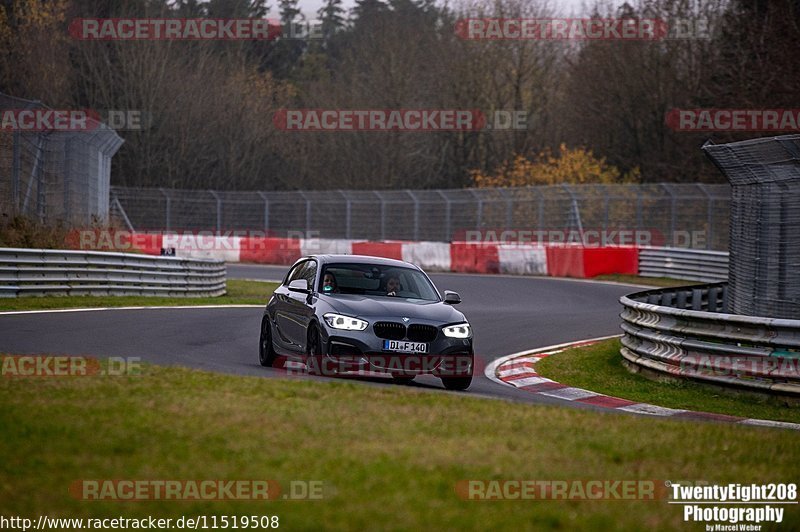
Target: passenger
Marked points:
329	284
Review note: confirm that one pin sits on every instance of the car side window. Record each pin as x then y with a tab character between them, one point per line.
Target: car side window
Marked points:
309	272
296	272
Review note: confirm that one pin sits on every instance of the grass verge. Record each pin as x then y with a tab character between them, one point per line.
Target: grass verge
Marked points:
388	457
239	293
599	368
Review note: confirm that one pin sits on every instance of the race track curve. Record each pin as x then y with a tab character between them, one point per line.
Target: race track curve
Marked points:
508	314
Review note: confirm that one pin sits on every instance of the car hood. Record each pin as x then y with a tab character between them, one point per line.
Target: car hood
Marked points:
389	307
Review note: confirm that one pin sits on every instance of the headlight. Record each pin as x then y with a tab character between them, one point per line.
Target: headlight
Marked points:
462	330
348	323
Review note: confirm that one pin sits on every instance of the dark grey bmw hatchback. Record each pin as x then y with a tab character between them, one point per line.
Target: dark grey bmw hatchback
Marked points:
346	314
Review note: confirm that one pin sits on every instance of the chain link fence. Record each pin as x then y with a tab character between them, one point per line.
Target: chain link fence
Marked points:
765	251
54	175
685	215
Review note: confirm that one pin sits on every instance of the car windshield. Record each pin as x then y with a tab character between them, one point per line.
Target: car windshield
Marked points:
376	280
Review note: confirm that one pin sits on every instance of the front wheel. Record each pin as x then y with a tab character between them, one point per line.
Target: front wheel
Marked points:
314	358
266	351
457	383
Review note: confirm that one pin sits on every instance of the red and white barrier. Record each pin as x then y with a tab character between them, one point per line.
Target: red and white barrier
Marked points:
389	250
268	250
474	257
580	261
434	256
204	246
468	257
522	259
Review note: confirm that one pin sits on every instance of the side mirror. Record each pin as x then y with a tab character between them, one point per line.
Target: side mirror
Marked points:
299	285
451	298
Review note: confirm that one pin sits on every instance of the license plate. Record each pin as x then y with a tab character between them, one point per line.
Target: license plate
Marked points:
401	346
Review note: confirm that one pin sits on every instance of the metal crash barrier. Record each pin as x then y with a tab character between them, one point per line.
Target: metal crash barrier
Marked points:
689	264
43	272
685	332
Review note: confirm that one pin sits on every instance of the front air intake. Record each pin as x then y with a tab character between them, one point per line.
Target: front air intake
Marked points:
389	330
422	333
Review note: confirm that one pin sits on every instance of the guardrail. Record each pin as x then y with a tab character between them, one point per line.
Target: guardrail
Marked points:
683	332
689	264
40	272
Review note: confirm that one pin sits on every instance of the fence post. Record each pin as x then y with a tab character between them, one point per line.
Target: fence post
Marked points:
40	186
479	211
509	208
308	212
639	221
15	164
67	181
33	177
540	207
383	215
575	212
672	213
709	214
447	228
122	213
266	212
219	210
348	215
416	213
167	209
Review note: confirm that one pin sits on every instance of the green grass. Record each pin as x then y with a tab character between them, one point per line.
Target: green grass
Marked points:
239	293
599	368
647	281
388	457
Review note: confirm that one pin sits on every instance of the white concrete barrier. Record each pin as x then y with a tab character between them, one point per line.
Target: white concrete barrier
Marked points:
322	246
428	255
521	259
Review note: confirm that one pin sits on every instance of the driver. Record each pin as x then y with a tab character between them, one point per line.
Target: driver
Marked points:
392	285
329	284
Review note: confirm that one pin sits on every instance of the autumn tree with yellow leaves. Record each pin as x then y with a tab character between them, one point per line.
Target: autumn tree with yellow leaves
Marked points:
574	166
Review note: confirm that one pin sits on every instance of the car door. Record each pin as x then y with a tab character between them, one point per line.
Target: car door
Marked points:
285	308
299	309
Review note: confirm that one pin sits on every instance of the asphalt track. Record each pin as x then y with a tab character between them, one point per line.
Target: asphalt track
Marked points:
508	314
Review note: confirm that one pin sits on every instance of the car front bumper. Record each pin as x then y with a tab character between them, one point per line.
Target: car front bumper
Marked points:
357	351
